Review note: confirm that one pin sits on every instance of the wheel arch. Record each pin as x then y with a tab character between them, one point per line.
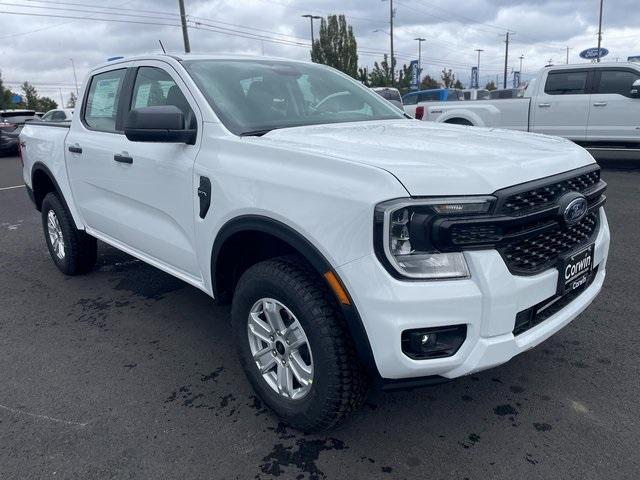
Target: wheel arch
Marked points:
43	181
233	237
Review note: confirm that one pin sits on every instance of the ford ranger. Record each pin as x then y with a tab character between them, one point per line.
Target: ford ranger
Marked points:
358	247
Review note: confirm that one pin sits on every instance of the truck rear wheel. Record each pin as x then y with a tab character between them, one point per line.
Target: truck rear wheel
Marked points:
73	251
294	345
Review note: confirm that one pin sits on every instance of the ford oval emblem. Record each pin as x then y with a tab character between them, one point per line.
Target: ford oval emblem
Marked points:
575	210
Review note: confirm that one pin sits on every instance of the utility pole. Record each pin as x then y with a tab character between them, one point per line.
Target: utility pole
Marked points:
568	48
311	19
479	50
393	65
506	58
75	78
521	57
600	31
185	32
420	40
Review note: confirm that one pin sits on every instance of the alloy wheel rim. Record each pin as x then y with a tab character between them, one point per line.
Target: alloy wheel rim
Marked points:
280	348
55	234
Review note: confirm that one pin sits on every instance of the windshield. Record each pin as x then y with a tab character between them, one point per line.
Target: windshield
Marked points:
252	97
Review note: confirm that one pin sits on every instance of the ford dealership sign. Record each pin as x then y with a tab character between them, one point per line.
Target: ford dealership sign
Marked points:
591	53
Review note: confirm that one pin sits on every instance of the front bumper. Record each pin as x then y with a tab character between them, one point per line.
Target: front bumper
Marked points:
487	303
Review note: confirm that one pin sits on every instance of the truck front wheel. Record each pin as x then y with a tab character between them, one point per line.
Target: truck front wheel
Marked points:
73	251
294	345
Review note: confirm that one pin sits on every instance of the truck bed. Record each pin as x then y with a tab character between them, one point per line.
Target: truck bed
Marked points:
511	113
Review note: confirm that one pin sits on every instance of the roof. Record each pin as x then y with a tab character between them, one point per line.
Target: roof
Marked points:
633	65
190	56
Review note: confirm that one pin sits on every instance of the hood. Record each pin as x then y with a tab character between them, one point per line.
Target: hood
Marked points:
439	159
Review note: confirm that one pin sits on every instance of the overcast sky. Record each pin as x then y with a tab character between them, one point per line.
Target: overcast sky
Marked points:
37	48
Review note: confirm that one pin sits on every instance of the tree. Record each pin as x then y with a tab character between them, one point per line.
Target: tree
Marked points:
458	85
45	104
380	75
33	101
363	76
404	79
72	100
429	82
337	46
30	94
5	96
448	77
490	86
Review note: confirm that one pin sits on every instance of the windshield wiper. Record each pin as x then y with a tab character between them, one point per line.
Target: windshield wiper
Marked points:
256	133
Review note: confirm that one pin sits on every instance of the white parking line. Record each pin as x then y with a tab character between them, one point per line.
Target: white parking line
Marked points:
11	188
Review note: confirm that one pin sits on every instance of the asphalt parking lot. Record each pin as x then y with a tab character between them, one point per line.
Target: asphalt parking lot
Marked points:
129	373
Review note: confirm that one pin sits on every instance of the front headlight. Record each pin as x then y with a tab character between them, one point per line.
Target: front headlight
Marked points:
402	233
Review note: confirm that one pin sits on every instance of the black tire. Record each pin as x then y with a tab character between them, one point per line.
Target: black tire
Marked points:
80	249
339	382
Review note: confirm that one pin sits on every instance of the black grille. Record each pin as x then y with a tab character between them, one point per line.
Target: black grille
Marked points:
541	251
537	314
525	225
543	196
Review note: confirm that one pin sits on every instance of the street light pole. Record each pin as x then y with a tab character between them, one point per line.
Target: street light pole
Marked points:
600	31
420	40
521	57
393	66
311	19
75	78
185	32
479	50
506	59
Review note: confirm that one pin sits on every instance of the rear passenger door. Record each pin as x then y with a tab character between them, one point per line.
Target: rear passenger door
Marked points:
562	104
614	116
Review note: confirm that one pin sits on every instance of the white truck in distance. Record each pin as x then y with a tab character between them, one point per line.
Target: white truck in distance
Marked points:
357	246
595	105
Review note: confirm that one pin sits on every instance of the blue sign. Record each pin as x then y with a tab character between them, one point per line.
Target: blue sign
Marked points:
516	79
415	75
16	99
474	77
592	53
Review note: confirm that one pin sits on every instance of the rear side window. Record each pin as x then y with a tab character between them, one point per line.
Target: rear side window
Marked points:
430	96
617	81
101	109
566	83
410	99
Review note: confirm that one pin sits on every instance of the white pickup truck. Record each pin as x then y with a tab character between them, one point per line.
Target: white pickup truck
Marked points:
596	105
357	246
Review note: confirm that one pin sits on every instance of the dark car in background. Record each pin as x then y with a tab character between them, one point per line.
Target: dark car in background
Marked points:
11	123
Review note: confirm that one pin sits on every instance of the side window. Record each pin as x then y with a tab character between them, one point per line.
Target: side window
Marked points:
58	116
47	117
155	87
410	99
566	83
617	81
101	109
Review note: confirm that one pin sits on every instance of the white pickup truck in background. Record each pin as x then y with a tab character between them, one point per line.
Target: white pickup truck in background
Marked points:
595	105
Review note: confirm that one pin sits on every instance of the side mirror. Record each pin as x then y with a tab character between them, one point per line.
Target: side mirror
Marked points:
635	89
163	123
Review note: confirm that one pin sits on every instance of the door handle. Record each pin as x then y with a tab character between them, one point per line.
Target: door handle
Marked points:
75	149
600	104
123	159
544	105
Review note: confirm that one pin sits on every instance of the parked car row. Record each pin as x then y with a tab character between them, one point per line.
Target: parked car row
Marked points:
12	122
